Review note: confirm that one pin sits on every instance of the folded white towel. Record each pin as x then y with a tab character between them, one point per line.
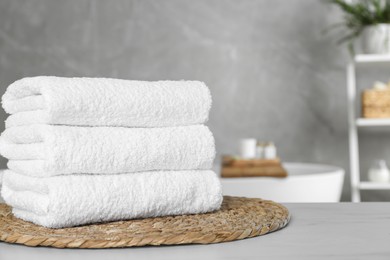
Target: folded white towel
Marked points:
106	102
64	201
47	150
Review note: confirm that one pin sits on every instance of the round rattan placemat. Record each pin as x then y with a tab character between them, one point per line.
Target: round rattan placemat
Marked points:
238	218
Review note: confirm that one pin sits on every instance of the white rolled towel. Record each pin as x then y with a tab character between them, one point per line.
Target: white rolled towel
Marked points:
47	150
65	201
106	102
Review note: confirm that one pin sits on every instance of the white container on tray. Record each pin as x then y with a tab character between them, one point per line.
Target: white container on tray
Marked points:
248	148
270	151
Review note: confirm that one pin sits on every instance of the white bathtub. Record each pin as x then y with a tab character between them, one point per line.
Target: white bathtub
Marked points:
305	183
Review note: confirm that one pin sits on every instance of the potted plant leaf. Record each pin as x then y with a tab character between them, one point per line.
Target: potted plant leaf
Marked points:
368	19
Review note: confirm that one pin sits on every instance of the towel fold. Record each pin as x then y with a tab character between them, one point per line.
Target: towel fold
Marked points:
47	150
65	201
106	102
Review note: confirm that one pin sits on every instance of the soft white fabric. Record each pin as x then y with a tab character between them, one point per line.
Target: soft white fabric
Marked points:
106	102
1	176
64	201
47	150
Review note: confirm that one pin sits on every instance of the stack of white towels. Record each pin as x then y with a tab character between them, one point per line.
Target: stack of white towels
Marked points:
88	150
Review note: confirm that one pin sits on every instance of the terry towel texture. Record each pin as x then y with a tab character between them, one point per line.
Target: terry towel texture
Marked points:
47	150
65	201
89	150
106	102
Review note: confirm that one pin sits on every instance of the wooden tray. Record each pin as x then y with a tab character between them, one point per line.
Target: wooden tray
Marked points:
236	167
238	218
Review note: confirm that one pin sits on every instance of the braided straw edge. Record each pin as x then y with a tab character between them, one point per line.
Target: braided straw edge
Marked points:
174	239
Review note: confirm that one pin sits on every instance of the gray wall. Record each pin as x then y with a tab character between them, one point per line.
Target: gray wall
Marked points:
273	74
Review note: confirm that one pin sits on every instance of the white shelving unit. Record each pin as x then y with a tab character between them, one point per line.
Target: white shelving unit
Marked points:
361	124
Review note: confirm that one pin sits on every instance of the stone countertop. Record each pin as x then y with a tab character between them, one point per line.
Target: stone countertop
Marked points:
316	231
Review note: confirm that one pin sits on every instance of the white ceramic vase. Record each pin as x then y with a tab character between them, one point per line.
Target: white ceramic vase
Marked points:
376	39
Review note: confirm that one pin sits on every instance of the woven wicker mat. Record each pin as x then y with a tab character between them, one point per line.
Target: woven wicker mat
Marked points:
237	219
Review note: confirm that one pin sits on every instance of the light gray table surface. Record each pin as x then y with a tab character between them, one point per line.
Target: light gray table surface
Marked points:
316	231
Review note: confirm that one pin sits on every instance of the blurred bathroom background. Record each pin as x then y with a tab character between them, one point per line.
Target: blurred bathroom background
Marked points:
273	72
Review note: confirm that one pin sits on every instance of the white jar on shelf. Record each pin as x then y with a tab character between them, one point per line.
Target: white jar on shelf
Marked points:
379	172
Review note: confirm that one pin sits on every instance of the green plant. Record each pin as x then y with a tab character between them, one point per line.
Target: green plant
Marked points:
361	13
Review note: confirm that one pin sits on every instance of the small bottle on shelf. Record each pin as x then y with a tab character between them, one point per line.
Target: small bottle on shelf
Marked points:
379	172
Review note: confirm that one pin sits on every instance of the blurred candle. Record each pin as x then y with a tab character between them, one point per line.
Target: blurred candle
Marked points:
248	148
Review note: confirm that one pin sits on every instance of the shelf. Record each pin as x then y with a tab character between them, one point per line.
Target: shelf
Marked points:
372	58
366	185
374	125
359	125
